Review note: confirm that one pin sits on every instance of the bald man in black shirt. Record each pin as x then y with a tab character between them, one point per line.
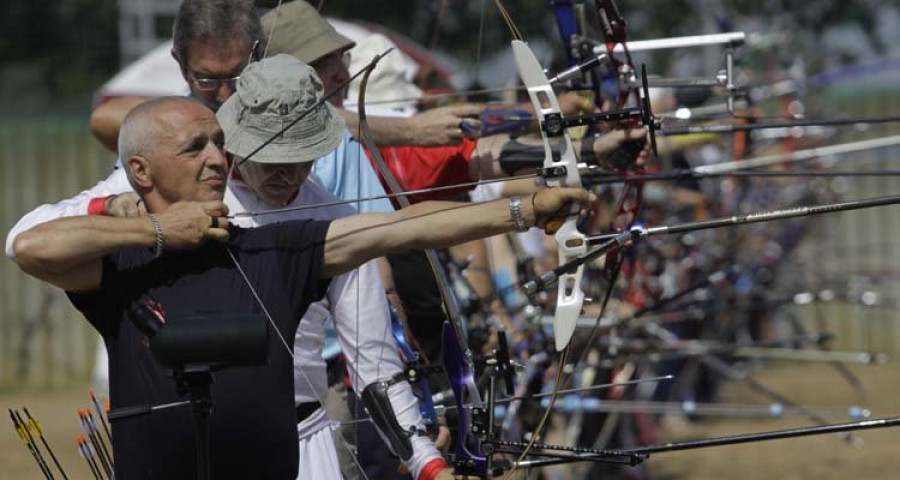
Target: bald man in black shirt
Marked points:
186	259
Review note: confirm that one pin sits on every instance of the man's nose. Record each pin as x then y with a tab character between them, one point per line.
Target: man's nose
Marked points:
217	157
225	90
341	75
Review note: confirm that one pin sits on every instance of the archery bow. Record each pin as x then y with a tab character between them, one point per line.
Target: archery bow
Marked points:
458	359
560	169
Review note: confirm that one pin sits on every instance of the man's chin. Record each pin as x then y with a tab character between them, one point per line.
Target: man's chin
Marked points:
277	200
212	195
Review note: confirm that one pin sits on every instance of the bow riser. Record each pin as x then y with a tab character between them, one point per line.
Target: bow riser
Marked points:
570	297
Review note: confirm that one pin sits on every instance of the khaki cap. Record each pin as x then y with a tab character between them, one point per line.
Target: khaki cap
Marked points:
297	29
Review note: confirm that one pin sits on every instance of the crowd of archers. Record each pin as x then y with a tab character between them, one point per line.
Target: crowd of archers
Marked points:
511	284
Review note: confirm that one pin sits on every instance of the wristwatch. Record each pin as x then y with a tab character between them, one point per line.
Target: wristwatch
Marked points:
515	212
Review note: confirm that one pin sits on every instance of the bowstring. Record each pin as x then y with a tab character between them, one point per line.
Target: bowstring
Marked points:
510	23
260	302
560	376
271	34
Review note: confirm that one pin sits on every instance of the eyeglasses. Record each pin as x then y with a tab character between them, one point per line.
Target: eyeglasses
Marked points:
211	84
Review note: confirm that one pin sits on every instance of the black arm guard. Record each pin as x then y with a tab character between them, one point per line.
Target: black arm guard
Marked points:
515	156
378	404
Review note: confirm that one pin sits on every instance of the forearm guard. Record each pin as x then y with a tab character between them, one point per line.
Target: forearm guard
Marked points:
515	156
378	403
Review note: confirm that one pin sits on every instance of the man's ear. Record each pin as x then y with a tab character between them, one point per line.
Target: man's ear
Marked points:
182	65
139	170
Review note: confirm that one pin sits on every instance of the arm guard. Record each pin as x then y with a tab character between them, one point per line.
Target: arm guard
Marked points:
515	156
378	404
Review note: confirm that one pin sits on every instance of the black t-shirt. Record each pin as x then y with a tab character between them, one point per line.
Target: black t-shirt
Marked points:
253	422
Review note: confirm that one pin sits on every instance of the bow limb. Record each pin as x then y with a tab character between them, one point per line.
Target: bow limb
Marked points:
568	27
571	243
414	371
458	358
443	283
617	81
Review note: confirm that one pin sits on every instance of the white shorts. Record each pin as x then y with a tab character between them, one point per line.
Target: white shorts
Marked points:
318	457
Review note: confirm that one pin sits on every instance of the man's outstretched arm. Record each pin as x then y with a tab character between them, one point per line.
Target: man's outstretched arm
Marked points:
353	240
438	126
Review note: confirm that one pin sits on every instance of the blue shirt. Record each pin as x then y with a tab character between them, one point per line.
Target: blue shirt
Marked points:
347	174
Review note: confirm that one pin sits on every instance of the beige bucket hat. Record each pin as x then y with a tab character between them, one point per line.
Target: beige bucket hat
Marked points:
270	95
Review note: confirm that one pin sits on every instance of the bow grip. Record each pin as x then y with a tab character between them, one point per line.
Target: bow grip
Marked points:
569	297
552	226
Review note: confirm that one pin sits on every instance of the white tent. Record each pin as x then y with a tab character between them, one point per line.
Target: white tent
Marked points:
155	74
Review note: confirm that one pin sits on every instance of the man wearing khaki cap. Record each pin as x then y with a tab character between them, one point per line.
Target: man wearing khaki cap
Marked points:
213	41
270	94
297	28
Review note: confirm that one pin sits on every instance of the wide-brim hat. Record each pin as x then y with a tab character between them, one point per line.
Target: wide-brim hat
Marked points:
273	94
296	28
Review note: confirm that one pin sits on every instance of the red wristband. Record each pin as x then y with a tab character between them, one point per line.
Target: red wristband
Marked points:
97	206
432	469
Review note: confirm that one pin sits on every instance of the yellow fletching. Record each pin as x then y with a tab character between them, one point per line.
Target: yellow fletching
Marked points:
35	427
22	434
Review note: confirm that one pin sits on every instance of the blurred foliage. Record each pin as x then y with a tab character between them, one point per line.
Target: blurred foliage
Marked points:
814	16
58	49
454	26
64	48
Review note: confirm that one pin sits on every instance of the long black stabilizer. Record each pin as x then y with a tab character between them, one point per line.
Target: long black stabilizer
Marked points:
778	434
615	241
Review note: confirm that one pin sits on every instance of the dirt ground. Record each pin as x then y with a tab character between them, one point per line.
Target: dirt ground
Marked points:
821	458
56	411
817	457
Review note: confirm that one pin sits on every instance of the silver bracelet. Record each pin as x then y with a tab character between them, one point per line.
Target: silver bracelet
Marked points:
159	235
515	212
